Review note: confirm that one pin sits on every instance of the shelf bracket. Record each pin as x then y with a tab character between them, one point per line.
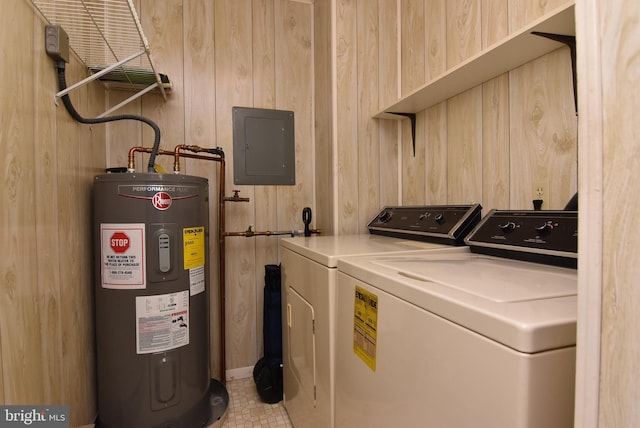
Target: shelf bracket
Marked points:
571	42
130	99
412	118
95	76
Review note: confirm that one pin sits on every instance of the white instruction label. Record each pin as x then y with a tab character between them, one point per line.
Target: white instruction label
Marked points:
122	255
162	322
196	280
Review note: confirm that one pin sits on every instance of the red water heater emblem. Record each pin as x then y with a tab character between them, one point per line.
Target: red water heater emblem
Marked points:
161	200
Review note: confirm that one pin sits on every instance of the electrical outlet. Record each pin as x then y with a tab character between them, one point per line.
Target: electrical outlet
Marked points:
56	42
540	190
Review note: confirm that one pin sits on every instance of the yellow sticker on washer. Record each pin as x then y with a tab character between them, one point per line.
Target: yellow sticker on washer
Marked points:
193	241
365	326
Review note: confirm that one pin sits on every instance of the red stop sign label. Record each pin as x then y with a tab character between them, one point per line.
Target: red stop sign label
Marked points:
119	242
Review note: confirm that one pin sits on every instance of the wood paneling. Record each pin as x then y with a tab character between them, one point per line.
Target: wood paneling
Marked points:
368	132
523	12
495	147
323	86
620	337
272	54
495	21
347	116
266	197
464	157
293	30
413	162
47	220
294	59
388	91
412	40
162	21
217	55
46	322
247	54
463	30
435	38
233	69
435	117
470	148
21	363
436	154
124	134
543	131
200	119
77	164
413	71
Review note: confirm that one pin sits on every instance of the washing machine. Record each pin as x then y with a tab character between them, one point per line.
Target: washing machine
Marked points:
482	339
309	266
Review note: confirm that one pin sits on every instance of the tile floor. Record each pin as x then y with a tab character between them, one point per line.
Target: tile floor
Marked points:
246	409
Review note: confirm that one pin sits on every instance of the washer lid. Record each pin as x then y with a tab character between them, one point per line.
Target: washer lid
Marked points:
488	278
527	306
326	249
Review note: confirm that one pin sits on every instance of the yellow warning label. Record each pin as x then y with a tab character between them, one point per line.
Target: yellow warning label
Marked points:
365	326
193	239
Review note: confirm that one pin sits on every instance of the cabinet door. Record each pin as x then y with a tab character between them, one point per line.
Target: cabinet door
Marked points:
302	344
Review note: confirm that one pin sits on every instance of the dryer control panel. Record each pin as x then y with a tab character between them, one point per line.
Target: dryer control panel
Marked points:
447	224
549	237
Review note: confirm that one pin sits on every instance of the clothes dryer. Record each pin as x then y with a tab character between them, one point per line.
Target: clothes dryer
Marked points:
309	297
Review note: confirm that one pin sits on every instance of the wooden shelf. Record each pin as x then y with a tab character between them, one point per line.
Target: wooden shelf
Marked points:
515	50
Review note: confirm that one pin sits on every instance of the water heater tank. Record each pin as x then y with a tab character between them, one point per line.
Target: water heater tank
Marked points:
151	300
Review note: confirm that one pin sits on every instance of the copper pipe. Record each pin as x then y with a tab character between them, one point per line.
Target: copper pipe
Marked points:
216	157
131	162
236	198
250	232
221	242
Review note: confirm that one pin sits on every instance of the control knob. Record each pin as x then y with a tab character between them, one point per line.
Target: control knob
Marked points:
439	218
384	216
507	227
544	228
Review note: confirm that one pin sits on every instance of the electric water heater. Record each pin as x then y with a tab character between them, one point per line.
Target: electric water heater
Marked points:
151	300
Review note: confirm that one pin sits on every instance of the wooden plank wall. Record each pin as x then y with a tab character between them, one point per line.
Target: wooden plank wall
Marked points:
323	115
616	136
488	144
607	384
48	164
219	55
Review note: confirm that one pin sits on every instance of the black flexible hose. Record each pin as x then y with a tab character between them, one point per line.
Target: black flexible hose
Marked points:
217	151
62	83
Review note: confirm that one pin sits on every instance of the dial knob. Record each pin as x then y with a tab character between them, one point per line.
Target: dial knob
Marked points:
544	228
439	218
507	227
384	216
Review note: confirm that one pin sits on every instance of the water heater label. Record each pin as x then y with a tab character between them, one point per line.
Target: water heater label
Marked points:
365	326
162	322
193	240
196	280
122	255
